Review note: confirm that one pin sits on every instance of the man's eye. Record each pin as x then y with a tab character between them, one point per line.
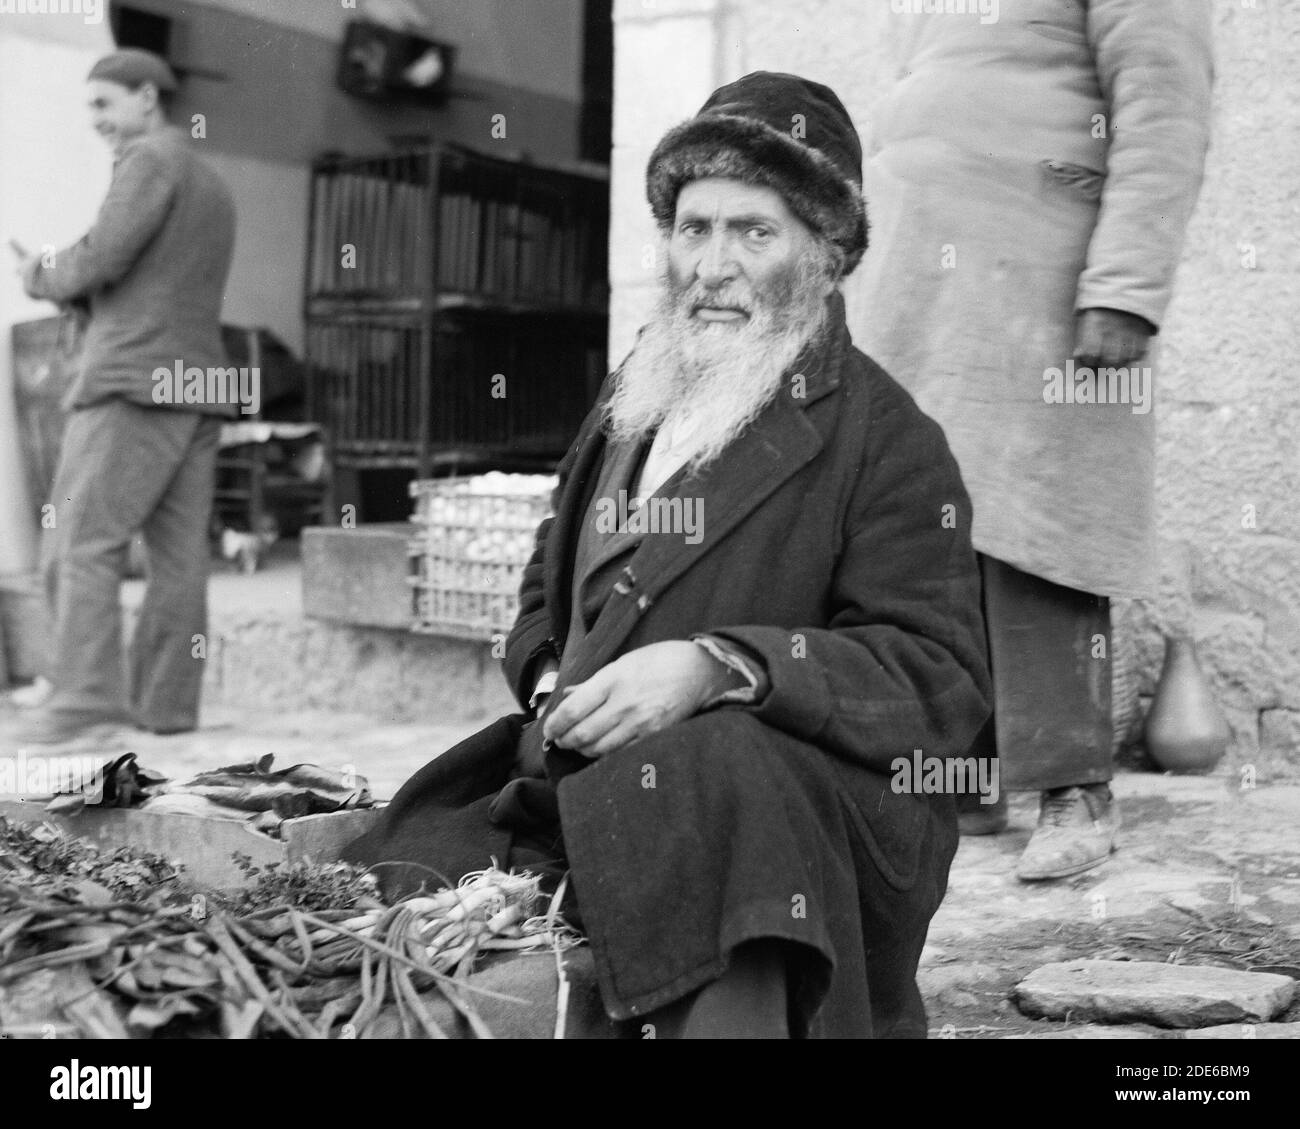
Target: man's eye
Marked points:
759	234
692	229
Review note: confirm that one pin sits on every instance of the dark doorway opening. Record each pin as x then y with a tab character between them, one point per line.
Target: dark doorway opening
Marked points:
597	126
135	27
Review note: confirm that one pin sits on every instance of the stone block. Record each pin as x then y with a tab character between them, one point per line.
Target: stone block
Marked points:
394	675
1247	1031
204	845
947	987
665	71
1088	1031
358	576
1279	738
1165	995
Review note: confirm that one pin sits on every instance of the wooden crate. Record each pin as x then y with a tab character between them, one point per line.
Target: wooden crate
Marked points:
468	556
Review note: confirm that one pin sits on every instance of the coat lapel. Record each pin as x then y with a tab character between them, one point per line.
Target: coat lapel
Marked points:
780	442
570	508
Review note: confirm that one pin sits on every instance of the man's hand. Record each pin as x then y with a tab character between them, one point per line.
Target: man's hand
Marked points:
27	274
26	263
1110	338
640	693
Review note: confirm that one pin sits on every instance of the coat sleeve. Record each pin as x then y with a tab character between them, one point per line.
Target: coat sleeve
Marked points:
1155	68
132	214
531	639
901	662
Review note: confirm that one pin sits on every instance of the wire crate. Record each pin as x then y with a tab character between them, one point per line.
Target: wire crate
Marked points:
474	535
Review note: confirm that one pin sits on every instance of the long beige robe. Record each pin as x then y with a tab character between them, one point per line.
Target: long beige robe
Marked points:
1021	170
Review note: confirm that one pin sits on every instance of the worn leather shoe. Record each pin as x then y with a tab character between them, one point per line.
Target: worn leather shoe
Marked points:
1076	832
975	818
59	727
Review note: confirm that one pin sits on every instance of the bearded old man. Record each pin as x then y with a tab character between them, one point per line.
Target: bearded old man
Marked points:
717	717
1033	177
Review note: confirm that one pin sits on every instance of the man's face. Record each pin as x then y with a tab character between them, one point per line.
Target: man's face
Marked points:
733	245
119	114
745	283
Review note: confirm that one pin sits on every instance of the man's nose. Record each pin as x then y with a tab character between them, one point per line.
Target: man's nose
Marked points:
717	263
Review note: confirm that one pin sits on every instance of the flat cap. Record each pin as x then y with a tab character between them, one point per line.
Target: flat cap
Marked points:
131	66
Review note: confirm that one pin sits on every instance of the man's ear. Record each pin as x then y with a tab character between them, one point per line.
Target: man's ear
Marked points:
150	96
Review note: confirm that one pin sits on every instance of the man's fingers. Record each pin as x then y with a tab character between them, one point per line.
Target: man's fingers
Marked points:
1109	354
1109	339
588	733
623	733
578	703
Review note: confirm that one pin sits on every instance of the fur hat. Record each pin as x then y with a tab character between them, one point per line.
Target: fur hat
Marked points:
782	132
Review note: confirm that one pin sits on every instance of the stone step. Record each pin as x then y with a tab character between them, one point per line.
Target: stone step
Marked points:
358	576
393	676
332	632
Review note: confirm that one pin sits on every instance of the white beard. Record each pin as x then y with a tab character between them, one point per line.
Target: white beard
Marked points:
709	381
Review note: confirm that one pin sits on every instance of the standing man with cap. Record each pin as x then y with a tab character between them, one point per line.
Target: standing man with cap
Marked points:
153	272
715	708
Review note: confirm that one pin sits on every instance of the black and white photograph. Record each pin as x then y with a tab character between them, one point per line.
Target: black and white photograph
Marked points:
652	520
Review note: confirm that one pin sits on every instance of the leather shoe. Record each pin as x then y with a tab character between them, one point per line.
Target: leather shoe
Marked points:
975	818
1076	832
59	727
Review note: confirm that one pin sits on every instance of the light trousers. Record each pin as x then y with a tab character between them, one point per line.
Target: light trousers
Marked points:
126	469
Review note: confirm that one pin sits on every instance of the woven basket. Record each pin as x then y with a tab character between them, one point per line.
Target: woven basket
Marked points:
1124	706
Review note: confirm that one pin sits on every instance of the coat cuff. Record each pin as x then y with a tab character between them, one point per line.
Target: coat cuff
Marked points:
749	668
545	685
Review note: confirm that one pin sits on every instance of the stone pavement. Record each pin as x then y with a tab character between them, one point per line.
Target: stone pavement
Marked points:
386	754
1207	871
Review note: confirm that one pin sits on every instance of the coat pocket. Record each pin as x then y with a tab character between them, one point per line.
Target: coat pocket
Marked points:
890	825
1084	182
1065	21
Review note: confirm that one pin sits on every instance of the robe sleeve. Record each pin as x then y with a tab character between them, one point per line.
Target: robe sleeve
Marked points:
1155	68
901	663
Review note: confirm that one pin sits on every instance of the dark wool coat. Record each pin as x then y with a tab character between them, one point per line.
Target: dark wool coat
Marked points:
836	548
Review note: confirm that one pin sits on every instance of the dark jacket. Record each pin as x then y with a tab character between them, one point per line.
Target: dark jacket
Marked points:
153	270
836	551
836	547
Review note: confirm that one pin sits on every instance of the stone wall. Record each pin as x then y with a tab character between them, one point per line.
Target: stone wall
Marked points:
1229	408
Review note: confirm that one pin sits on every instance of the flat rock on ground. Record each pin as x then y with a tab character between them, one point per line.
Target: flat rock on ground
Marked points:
1091	1031
1246	1031
1167	995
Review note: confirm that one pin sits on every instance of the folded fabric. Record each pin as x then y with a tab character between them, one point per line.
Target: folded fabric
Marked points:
303	789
